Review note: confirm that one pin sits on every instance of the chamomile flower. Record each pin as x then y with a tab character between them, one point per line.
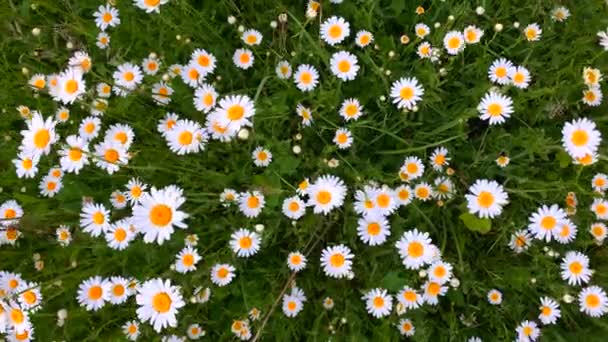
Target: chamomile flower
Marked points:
560	14
486	198
326	193
373	229
161	93
186	260
472	34
406	93
414	248
581	137
283	70
328	303
592	96
205	98
344	65
378	302
39	136
404	195
364	38
343	138
599	183
566	232
26	164
229	196
546	221
494	297
440	272
592	77
527	331
423	191
364	202
119	235
89	128
410	298
520	77
195	331
600	208
421	30
126	78
337	261
502	160
575	268
424	50
235	112
251	203
93	293
296	261
94	219
150	5
406	328
131	330
500	70
549	311
251	37
245	243
444	188
305	113
191	75
243	58
64	236
135	190
351	109
432	291
121	134
106	16
62	114
110	156
454	42
292	305
412	169
495	107
118	290
186	137
158	303
37	82
49	186
261	156
81	60
593	301
10	282
103	40
150	66
306	77
104	90
532	32
15	317
25	112
222	274
439	159
294	207
334	30
166	124
157	214
599	232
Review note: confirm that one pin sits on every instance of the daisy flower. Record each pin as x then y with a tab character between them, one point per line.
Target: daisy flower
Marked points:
81	60
39	136
150	5
110	156
337	261
306	77
580	137
195	331
532	32
414	248
157	213
410	298
527	331
384	200
292	305
334	30
118	290
495	107
444	188
500	70
251	37
103	40
424	50
26	164
106	16
326	193
166	124
439	158
373	229
118	199
222	274
191	74
15	318
305	114
432	291
406	328
251	203
94	219
283	70
566	232
599	183
423	191
293	207
440	272
472	34
150	65
351	109
235	112
344	65
161	93
560	14
592	76
261	156
131	330
49	186
421	30
603	39
245	243
186	260
502	161
549	311
89	128
364	38
406	93
600	208
343	138
38	82
103	90
127	77
593	301
205	98
575	268
494	297
158	303
328	303
486	198
93	293
135	189
29	297
412	169
296	261
454	42
599	232
592	96
118	236
229	196
64	236
243	58
546	221
404	195
186	137
378	302
520	77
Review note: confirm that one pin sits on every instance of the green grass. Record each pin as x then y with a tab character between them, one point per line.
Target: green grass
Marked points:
538	173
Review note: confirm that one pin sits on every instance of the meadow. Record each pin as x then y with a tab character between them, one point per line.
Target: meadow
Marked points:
356	170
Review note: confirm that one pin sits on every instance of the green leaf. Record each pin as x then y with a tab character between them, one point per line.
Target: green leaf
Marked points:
563	158
476	224
392	281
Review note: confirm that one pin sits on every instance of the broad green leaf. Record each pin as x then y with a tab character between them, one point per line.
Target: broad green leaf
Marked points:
476	224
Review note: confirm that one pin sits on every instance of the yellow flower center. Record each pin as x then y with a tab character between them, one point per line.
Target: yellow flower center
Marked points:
415	249
161	302
161	215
